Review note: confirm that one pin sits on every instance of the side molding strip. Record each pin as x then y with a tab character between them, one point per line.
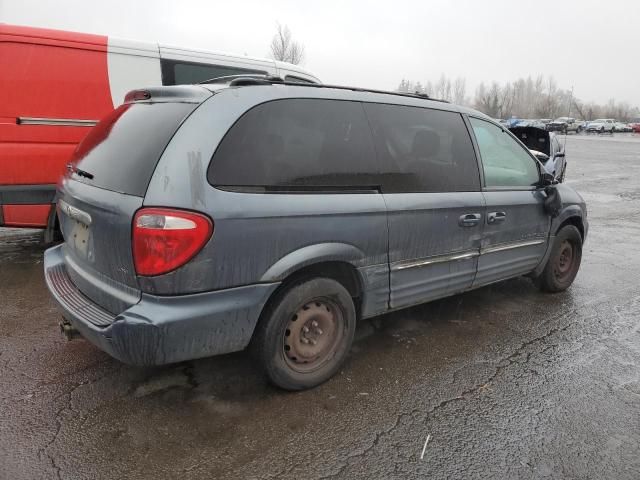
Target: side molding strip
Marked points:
64	122
509	246
402	265
437	259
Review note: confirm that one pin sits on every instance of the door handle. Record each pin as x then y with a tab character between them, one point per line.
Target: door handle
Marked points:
469	219
496	217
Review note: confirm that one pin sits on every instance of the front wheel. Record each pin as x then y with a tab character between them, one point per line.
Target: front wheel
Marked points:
563	262
305	333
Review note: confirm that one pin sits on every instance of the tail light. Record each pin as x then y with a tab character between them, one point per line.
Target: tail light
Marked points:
165	239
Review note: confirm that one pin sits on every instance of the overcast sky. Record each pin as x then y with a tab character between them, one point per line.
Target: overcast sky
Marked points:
591	45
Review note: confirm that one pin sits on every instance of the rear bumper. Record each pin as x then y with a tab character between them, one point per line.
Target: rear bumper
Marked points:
160	330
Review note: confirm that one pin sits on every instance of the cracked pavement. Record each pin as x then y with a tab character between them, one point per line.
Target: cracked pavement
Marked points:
507	381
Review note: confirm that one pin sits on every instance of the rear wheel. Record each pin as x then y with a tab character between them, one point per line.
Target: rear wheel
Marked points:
563	263
305	333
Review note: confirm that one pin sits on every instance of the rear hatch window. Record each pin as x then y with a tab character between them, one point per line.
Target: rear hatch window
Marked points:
121	152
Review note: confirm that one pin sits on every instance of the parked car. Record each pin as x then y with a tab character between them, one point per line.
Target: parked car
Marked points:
529	123
635	127
565	125
622	127
55	85
601	125
545	146
275	216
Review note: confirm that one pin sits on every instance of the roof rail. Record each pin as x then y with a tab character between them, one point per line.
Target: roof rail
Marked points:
258	79
247	79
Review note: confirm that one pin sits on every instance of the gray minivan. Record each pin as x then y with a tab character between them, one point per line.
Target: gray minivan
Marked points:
200	220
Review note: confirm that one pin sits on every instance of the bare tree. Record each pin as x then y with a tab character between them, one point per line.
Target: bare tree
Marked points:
284	48
460	91
528	97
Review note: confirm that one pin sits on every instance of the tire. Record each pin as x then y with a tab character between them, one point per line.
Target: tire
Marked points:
563	262
305	333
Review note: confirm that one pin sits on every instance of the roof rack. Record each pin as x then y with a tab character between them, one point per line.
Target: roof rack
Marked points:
258	79
242	80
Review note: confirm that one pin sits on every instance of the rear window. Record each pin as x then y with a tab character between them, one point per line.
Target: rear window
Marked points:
298	143
121	152
186	73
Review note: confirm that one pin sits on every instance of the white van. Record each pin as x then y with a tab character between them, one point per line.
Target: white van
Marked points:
158	64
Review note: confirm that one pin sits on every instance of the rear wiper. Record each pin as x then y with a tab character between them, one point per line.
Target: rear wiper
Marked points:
81	173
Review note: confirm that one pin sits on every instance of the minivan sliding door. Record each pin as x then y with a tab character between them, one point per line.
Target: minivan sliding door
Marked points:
431	186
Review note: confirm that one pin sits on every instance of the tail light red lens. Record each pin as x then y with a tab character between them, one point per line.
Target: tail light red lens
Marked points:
165	239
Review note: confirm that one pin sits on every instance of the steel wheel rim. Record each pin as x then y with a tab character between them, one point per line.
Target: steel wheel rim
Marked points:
312	335
565	260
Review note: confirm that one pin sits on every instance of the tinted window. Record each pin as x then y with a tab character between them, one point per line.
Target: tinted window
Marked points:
187	73
297	142
505	162
423	150
121	152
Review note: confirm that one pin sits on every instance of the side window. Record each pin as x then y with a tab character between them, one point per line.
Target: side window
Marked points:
505	162
310	143
294	79
176	72
423	150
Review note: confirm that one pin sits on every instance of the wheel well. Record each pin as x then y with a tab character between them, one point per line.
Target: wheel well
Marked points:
342	272
52	231
576	222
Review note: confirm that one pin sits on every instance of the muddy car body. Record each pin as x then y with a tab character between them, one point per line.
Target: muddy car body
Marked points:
275	215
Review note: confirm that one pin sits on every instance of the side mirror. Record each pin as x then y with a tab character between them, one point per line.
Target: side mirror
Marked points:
542	157
547	179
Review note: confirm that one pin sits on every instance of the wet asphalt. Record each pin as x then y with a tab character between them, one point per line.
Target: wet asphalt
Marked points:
506	382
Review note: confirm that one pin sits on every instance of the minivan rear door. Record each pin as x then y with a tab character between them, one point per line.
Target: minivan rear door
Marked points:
105	186
435	207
